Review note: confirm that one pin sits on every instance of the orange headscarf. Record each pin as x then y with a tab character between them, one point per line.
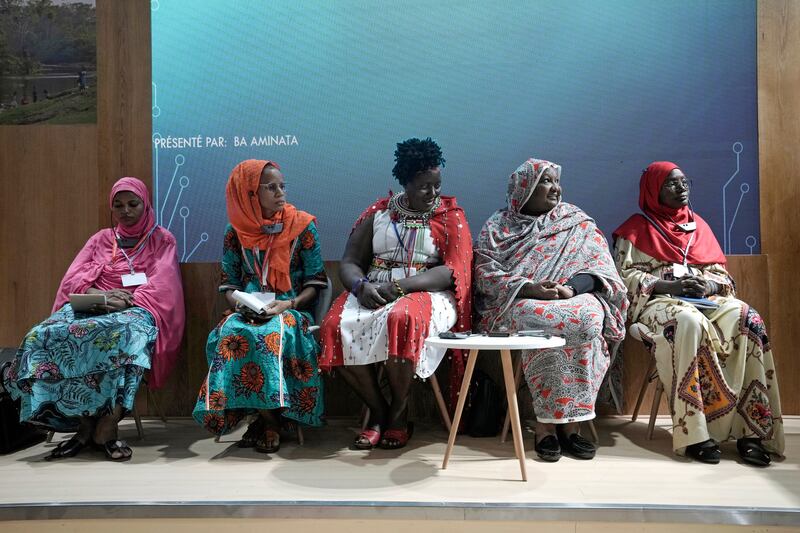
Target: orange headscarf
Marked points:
244	213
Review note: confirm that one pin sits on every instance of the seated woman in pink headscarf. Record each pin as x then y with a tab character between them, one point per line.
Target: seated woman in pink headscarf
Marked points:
78	371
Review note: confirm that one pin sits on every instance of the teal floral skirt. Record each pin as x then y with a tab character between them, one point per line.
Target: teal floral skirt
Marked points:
76	364
256	367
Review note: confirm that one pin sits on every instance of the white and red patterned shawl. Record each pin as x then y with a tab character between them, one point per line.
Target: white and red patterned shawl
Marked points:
514	249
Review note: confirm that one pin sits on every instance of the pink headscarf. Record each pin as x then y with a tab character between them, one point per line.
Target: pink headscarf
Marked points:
148	219
162	295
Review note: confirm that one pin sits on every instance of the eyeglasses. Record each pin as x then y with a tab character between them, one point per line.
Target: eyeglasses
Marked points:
273	187
682	184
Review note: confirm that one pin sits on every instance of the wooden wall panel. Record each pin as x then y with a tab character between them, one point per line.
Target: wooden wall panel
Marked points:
124	109
48	208
779	160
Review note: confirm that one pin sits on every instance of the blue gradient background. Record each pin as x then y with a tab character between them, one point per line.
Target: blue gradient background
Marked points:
602	88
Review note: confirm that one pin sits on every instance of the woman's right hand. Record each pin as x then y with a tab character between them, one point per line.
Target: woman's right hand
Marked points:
369	296
542	290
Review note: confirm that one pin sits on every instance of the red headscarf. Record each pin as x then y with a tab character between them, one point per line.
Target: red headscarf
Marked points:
666	244
97	266
244	213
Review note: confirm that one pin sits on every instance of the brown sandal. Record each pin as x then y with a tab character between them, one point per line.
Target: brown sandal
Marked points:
272	435
251	434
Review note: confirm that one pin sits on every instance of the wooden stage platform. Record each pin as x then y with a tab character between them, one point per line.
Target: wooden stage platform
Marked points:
178	473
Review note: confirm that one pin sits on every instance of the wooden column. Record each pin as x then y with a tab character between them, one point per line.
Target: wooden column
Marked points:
779	159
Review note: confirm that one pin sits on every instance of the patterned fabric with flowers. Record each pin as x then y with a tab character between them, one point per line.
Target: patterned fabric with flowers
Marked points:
716	365
76	364
270	365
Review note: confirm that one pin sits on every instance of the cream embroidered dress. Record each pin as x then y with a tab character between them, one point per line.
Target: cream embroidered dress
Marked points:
716	365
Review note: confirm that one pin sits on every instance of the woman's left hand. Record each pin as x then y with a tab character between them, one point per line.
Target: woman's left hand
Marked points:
277	307
388	291
564	292
115	303
696	287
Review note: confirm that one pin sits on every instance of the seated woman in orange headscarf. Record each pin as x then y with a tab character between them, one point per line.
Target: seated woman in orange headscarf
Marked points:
264	363
715	362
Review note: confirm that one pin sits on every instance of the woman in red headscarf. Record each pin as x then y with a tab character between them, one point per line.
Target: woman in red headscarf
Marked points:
80	371
264	364
713	355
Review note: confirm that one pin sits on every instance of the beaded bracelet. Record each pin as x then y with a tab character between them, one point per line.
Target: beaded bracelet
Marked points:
399	289
357	285
292	303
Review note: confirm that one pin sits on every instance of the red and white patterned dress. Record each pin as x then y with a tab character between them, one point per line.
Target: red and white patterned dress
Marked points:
355	335
515	249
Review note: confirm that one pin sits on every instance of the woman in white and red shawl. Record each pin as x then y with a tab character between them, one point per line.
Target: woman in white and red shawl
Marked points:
542	264
408	267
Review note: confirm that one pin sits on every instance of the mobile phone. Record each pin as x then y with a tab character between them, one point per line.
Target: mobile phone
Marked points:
533	333
453	335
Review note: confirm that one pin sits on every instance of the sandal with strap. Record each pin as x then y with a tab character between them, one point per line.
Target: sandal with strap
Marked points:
548	449
67	448
368	439
752	452
270	435
115	446
706	452
394	439
251	434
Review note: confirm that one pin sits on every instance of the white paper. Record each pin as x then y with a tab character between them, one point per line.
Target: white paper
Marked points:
257	301
134	280
679	270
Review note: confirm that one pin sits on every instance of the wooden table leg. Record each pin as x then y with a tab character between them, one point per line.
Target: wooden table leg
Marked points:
511	394
517	379
462	399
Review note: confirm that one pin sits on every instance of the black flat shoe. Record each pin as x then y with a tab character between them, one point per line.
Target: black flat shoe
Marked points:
752	452
548	449
577	446
705	452
67	448
116	450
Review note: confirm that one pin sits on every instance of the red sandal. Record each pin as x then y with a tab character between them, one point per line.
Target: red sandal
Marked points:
371	435
401	436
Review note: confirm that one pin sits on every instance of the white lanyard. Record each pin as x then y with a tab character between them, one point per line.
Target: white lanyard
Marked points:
685	252
130	259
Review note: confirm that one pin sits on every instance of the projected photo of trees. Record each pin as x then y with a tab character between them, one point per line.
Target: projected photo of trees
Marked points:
48	62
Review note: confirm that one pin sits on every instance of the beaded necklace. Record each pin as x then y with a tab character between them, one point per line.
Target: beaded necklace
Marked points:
398	205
